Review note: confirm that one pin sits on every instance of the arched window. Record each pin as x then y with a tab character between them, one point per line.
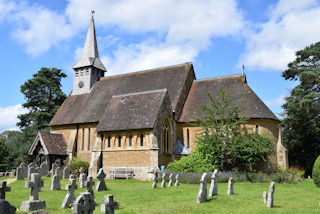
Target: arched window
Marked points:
119	141
167	136
188	139
109	142
141	140
130	140
82	139
89	133
101	137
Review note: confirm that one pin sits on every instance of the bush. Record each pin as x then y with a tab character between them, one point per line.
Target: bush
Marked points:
75	165
316	172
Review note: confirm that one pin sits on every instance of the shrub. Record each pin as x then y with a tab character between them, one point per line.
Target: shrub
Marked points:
75	165
316	172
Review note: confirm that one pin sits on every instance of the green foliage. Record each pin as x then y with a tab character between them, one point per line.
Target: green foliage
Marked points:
301	117
190	164
3	155
316	172
75	165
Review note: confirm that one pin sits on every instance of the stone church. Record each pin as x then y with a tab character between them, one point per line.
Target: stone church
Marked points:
141	120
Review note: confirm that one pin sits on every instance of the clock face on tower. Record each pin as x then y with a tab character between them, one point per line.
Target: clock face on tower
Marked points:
81	84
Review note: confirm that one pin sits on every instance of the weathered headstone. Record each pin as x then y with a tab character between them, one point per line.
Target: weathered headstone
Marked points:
214	184
265	196
24	166
55	182
32	164
58	172
101	185
230	186
30	171
270	195
89	185
108	205
84	204
202	195
6	207
163	182
66	172
54	167
70	197
33	203
20	173
44	169
177	180
73	182
71	177
170	180
38	170
83	179
155	180
4	189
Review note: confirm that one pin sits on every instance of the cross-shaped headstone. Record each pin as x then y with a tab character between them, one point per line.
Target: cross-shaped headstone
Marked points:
4	189
84	203
108	205
89	184
72	182
101	183
35	184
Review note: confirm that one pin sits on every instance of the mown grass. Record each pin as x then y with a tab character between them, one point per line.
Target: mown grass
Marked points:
138	197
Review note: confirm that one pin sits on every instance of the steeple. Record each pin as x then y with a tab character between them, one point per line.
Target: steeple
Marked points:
89	69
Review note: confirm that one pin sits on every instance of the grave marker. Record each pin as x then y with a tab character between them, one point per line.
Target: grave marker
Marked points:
66	172
214	184
55	182
4	189
155	180
230	186
270	195
177	180
84	204
163	183
101	183
170	180
202	195
108	205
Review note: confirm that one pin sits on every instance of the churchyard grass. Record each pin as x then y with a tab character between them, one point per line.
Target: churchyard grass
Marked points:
6	177
138	197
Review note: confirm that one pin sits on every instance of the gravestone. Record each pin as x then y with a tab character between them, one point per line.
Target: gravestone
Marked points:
155	180
177	180
71	177
55	182
66	172
270	195
58	172
170	180
54	167
89	185
38	170
30	171
33	203
70	197
73	182
20	173
108	205
84	204
214	184
44	169
101	183
32	164
163	183
202	195
82	178
4	189
264	195
6	207
230	186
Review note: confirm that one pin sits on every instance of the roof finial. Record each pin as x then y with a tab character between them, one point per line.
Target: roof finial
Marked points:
92	12
243	68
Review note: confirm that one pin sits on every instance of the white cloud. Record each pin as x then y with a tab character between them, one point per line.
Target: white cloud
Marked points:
6	8
8	117
276	102
292	25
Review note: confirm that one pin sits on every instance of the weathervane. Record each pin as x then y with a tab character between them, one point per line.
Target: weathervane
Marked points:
243	69
92	12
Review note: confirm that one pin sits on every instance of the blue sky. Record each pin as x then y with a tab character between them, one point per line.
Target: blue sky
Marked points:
218	36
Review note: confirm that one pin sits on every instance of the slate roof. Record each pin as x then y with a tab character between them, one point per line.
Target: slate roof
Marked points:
90	107
132	111
245	96
52	144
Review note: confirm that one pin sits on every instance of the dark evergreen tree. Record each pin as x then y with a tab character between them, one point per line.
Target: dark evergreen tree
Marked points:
301	117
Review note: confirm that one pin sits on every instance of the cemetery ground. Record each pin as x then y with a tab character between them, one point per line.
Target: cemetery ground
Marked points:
138	197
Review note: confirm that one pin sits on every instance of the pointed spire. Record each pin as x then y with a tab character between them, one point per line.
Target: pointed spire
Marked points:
90	54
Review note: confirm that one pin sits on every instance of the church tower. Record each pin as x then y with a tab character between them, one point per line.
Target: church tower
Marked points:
89	69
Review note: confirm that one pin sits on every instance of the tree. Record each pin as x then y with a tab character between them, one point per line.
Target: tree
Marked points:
3	155
44	96
301	117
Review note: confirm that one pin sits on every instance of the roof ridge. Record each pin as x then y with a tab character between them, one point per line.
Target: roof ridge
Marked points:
145	71
141	92
221	77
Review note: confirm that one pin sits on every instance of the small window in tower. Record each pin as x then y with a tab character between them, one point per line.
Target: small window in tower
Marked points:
119	141
257	129
141	140
87	71
130	140
109	142
81	73
77	73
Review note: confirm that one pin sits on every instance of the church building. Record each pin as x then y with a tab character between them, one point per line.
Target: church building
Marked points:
142	120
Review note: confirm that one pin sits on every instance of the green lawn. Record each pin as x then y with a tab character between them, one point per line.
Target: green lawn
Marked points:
138	197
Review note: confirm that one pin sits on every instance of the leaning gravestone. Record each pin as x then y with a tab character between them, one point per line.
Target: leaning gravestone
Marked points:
33	203
66	172
58	172
70	197
170	180
202	195
30	171
108	205
89	185
177	180
55	182
44	169
163	183
154	184
6	207
82	179
270	195
214	184
84	204
101	185
4	189
230	186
